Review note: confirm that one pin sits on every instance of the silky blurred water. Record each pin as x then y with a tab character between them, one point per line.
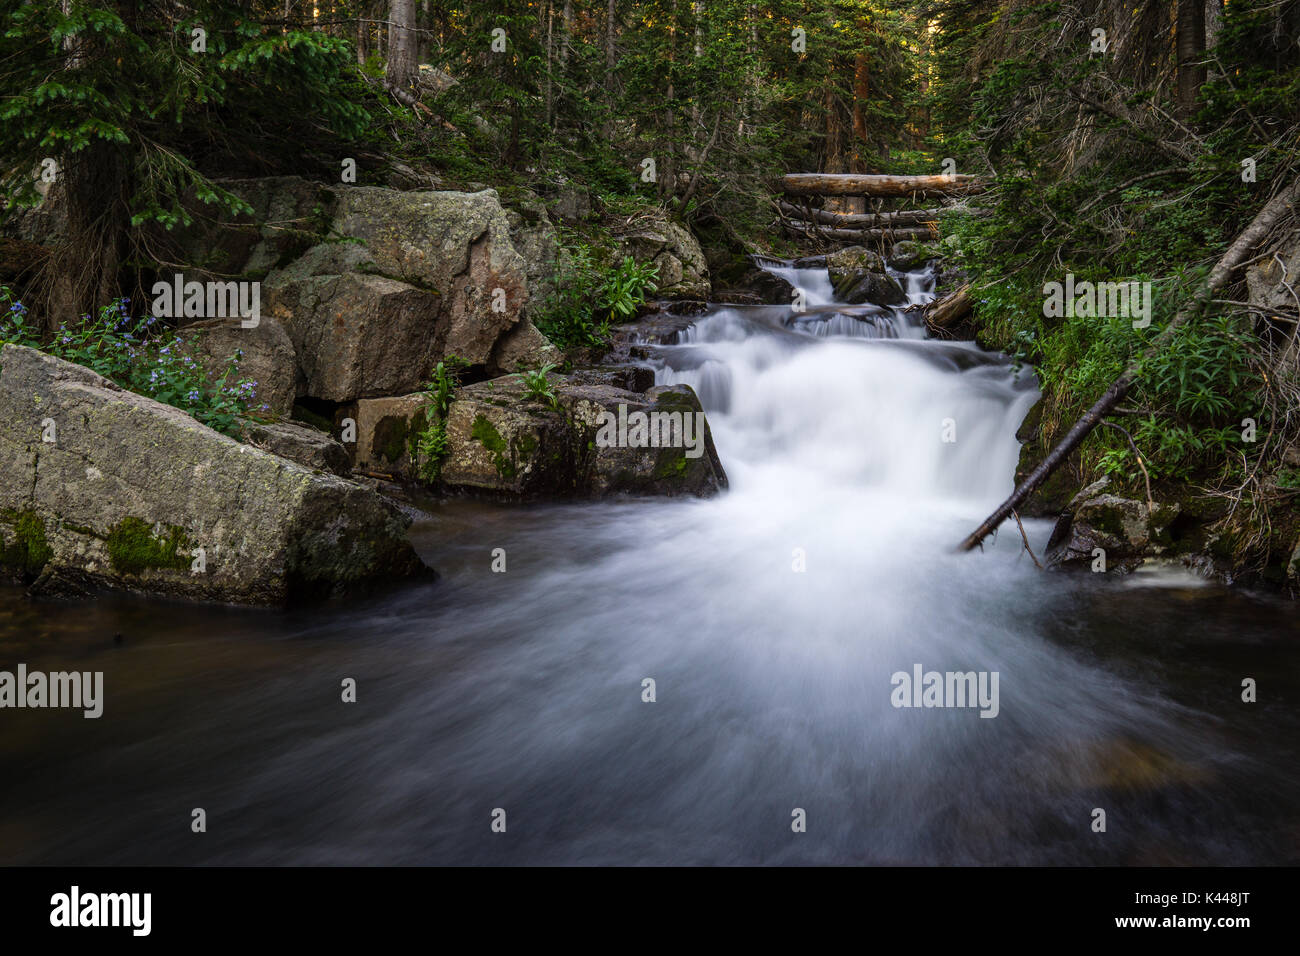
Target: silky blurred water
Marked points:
523	690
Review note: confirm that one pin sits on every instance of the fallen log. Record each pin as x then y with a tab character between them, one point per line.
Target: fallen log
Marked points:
944	313
857	235
846	220
1259	227
862	184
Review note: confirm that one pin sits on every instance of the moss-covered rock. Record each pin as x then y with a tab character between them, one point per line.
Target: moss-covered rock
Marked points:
135	546
858	275
133	488
1127	531
387	433
503	443
24	550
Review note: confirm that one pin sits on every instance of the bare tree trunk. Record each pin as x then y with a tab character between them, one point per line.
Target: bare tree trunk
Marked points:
363	38
1213	23
874	184
668	179
1191	52
1277	207
611	21
861	90
401	70
550	104
567	39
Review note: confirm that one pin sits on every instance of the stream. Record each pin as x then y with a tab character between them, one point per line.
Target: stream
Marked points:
771	619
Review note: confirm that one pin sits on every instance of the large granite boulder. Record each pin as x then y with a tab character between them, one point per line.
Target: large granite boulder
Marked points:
418	276
103	487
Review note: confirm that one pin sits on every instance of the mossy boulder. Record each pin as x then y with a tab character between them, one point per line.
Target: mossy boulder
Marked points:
24	549
670	247
137	495
1127	531
387	433
907	254
504	443
858	275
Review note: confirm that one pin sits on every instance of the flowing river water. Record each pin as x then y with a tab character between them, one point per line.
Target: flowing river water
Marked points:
771	619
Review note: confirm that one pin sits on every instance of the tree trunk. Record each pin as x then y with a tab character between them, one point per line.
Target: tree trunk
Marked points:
401	70
1191	52
847	221
1273	210
84	271
944	313
815	231
550	106
1213	23
853	184
611	20
566	17
668	172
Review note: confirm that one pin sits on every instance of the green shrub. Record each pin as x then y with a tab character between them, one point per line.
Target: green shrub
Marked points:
589	296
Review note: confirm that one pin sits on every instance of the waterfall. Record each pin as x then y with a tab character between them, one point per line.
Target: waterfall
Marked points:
852	398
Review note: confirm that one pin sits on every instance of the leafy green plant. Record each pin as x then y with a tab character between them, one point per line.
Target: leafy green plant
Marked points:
568	319
143	357
431	444
589	296
625	288
537	386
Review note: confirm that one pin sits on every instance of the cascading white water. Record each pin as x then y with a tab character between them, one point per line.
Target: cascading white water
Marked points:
854	400
770	620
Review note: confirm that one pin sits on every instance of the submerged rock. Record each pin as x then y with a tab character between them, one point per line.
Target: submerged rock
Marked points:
758	287
103	487
877	288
